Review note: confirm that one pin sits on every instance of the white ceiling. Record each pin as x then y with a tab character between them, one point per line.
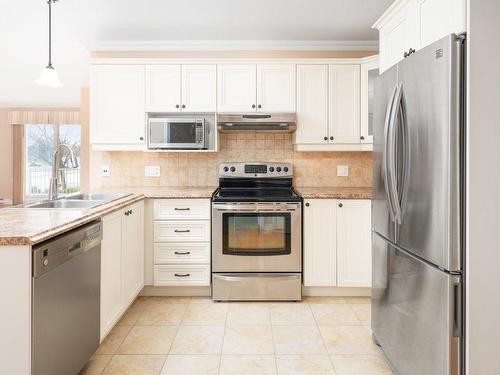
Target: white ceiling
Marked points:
80	23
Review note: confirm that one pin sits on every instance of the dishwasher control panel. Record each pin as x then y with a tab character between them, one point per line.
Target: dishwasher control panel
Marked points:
56	251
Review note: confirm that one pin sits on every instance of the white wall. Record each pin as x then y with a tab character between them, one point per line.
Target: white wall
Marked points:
483	189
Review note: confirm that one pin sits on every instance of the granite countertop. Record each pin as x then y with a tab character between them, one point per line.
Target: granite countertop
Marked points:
28	226
334	192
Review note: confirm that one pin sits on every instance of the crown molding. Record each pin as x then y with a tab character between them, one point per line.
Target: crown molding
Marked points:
234	45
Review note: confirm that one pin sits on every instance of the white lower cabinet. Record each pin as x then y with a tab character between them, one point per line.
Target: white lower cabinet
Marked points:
337	243
181	235
354	243
122	262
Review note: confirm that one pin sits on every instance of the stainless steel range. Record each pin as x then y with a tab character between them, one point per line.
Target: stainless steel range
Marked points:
256	233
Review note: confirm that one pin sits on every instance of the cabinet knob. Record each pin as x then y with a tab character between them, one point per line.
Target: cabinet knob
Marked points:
177	106
253	105
331	138
183	106
362	137
325	138
341	205
259	106
307	204
141	138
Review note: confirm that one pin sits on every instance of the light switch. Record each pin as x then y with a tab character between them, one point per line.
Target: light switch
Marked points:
104	170
152	171
342	170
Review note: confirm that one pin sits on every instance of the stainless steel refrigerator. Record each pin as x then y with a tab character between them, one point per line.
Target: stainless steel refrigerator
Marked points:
418	211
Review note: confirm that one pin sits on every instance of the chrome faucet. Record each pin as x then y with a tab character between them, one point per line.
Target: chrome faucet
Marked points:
54	180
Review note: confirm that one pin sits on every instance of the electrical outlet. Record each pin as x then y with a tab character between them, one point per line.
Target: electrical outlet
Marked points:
151	171
104	170
342	170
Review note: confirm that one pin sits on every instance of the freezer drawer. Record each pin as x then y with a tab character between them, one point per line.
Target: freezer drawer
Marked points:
416	313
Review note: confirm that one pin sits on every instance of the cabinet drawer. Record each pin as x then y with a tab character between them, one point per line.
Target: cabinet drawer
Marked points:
182	275
181	231
182	209
169	252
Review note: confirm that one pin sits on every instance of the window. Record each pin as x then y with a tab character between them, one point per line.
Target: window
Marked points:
40	142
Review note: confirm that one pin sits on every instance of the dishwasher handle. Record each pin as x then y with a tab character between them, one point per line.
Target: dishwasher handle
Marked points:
56	251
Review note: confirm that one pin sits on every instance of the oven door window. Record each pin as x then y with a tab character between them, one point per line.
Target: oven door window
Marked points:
181	132
256	234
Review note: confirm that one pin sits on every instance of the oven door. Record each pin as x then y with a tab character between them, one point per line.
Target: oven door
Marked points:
176	133
256	237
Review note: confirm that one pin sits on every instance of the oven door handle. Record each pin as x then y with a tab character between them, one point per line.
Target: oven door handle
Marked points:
239	278
277	208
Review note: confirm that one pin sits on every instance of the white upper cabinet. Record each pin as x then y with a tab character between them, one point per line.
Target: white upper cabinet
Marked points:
177	88
163	88
354	243
415	24
199	88
438	18
117	115
276	88
320	250
236	88
369	72
256	88
312	104
395	34
344	96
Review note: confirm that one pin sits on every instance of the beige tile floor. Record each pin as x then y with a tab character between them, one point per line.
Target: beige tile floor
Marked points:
195	336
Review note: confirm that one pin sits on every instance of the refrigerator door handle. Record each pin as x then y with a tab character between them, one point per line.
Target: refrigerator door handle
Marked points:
457	308
385	156
400	175
391	156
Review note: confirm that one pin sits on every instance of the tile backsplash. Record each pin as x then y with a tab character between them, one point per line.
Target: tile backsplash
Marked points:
317	169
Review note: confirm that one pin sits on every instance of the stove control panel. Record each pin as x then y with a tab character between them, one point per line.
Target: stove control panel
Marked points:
255	170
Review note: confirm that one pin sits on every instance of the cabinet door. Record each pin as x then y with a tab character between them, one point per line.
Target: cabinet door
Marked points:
369	72
276	88
312	104
354	243
438	18
133	256
198	88
396	38
344	95
163	88
117	113
319	242
236	88
112	301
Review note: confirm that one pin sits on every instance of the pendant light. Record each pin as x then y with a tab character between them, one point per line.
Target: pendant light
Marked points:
49	76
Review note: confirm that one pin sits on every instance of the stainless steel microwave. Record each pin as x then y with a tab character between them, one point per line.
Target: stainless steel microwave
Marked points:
180	133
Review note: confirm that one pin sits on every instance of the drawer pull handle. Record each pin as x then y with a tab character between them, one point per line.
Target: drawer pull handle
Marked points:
182	231
182	253
182	274
181	209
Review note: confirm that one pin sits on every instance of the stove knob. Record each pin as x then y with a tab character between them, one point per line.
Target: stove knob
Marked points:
285	169
271	169
278	169
226	169
233	169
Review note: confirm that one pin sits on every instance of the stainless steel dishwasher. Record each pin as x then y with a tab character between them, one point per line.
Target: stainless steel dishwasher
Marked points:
66	301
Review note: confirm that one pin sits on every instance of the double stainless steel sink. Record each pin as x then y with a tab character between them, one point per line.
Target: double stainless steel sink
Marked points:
78	201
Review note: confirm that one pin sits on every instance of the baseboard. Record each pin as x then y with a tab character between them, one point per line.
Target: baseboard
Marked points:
197	291
176	291
335	292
